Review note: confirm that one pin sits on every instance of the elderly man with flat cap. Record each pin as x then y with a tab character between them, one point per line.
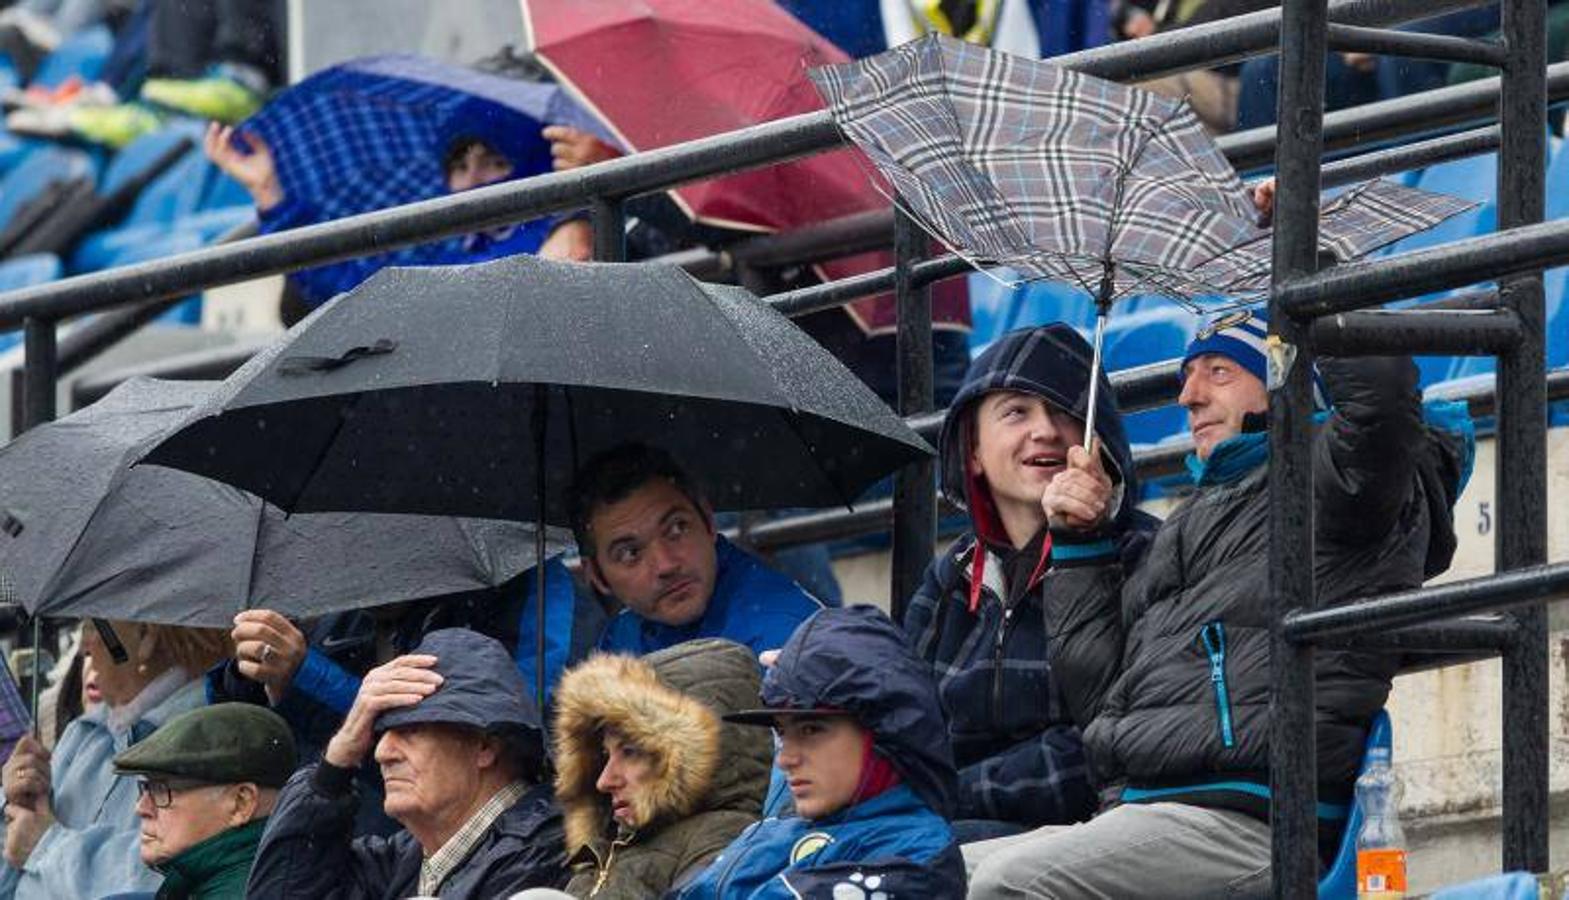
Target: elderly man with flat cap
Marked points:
461	752
207	780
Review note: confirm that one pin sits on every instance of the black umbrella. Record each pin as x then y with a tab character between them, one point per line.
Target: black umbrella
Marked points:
478	391
82	533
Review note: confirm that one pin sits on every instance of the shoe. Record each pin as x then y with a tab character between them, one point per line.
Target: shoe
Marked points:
219	99
113	126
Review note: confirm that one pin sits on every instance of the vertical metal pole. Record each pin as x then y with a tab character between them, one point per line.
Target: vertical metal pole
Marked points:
1293	748
38	407
1521	538
610	229
914	487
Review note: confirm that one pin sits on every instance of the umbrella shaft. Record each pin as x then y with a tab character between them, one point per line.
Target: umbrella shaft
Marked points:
1095	366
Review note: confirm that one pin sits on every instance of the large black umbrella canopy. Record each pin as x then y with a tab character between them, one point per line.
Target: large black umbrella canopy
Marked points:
473	390
84	533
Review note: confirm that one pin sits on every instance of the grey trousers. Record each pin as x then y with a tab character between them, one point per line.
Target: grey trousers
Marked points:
1167	851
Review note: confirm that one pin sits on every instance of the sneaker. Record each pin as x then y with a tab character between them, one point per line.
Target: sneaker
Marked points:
113	126
220	99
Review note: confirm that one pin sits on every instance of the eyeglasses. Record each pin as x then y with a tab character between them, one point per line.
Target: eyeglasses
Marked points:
162	792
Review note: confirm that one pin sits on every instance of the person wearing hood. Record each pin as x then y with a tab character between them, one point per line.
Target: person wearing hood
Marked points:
1015	430
862	742
651	782
1171	683
480	155
461	752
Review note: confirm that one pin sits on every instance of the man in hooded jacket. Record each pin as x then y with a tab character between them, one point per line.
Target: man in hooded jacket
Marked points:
978	618
461	753
1172	683
680	784
888	834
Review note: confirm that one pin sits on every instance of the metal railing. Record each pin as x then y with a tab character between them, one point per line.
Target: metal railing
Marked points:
1309	309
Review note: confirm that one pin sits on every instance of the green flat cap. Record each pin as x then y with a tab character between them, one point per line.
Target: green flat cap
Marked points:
226	743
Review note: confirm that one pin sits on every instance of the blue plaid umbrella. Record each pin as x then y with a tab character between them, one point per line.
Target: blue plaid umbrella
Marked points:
371	133
1063	176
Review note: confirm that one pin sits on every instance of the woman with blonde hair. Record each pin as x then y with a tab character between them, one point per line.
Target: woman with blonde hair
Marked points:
70	822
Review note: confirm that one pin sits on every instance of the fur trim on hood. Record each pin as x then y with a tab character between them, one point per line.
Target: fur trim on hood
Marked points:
669	704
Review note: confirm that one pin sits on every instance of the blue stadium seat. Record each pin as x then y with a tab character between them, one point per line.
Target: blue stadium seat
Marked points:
1340	882
1556	281
40	169
21	272
997	309
83	54
1142	338
1474	178
188	312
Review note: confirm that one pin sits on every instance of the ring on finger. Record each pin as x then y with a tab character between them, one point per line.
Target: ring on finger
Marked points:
267	653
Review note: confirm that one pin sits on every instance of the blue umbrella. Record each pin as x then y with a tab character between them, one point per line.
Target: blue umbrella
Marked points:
371	133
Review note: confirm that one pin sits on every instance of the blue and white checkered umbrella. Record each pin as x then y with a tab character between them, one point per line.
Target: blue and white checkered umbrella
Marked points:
1063	176
371	133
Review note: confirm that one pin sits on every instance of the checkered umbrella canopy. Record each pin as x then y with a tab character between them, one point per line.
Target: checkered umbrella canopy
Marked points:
1067	177
371	133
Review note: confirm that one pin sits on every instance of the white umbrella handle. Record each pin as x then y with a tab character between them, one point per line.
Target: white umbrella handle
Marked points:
1095	365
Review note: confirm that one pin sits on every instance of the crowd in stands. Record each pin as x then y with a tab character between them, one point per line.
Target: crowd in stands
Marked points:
1075	703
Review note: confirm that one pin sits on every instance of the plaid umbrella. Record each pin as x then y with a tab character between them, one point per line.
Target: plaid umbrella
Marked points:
371	133
1062	176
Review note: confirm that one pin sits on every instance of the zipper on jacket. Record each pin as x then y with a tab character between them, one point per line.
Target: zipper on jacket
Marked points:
1213	636
1002	635
610	860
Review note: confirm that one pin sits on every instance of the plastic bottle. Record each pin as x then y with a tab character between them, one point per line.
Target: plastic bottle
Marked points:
1381	844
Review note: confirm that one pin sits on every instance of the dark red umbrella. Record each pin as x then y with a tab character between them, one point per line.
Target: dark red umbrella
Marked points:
660	72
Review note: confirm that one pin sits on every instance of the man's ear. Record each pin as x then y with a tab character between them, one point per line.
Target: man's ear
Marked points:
707	512
595	579
243	803
489	752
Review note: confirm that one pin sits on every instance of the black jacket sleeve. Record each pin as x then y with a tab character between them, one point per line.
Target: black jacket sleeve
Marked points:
1363	456
308	848
1084	628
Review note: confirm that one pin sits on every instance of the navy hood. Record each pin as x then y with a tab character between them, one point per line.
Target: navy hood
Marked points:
481	689
857	661
1048	361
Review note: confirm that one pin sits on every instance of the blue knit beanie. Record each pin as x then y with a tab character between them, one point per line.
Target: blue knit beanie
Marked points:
1241	336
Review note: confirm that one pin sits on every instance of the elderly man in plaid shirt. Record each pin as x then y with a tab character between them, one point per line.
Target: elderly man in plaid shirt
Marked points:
461	752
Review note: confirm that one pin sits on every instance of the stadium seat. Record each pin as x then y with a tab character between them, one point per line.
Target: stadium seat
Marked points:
36	173
1142	338
83	54
25	271
188	312
1340	882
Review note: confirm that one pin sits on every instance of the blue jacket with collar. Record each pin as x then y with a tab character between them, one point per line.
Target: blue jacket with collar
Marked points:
752	605
893	843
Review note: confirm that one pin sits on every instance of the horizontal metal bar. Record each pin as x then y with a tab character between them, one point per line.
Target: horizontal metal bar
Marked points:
1372	123
1406	157
1490	635
1490	593
1232	39
1359	285
837	293
1415	45
628	176
845	236
388	229
1418	332
94	337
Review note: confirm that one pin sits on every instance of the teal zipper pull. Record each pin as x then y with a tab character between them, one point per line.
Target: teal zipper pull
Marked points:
1213	636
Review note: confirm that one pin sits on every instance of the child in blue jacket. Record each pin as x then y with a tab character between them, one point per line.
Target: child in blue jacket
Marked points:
864	747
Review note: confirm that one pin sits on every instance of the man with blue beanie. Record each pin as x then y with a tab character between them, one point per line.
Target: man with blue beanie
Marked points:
1171	684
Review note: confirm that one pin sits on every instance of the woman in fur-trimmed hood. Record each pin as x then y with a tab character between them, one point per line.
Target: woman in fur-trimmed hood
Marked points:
651	782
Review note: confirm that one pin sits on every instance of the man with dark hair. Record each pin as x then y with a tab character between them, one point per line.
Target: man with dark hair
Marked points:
461	753
647	538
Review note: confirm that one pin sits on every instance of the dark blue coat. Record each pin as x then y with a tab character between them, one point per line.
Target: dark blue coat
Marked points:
856	661
752	605
1015	740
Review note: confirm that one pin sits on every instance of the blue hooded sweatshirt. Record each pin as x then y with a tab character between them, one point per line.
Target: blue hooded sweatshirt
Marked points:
898	842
